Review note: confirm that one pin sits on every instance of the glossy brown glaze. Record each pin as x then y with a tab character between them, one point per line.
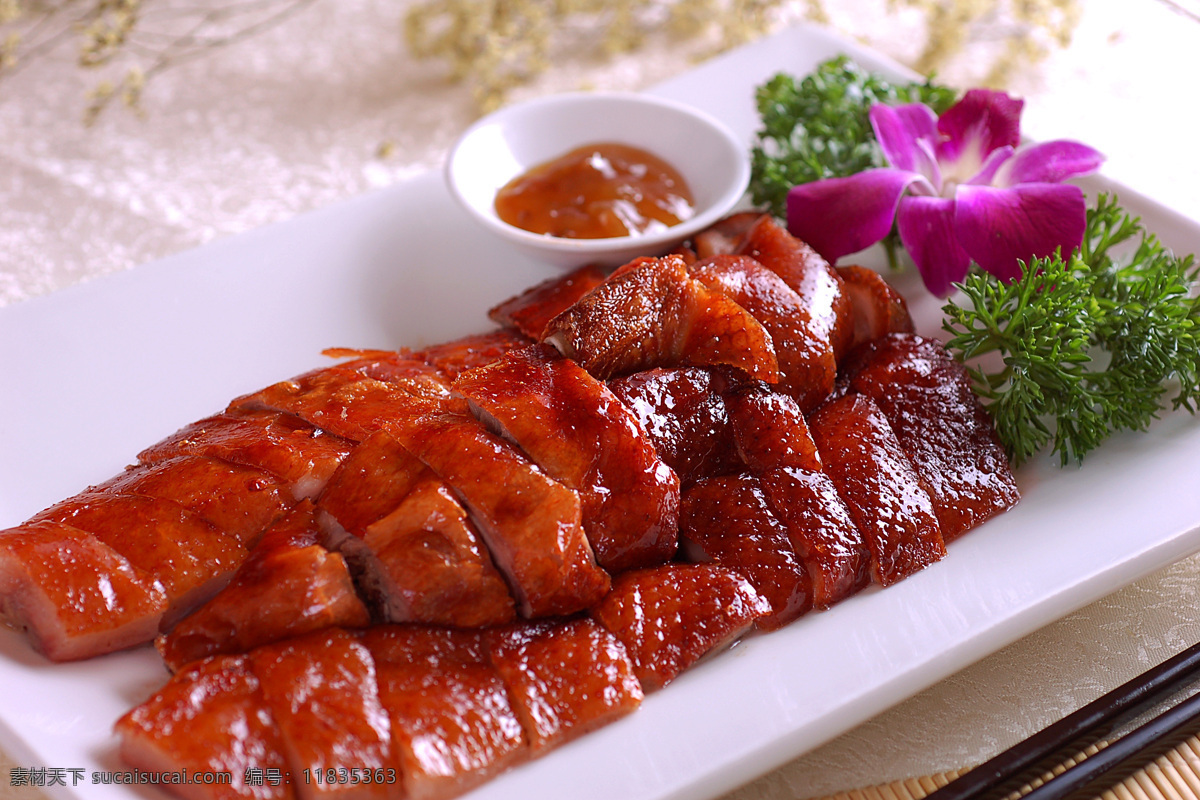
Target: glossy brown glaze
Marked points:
565	678
238	500
806	362
878	308
725	235
290	585
683	413
211	717
455	357
372	481
530	523
927	398
671	616
580	434
809	275
529	311
597	191
651	313
728	521
821	531
72	595
301	456
882	491
769	429
452	722
321	691
188	556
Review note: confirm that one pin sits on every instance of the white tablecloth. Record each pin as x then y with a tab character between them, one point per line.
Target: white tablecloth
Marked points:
295	119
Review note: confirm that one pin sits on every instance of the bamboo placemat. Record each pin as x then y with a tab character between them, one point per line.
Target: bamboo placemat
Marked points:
1173	776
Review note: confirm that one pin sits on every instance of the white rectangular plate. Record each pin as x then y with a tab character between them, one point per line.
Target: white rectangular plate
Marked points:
94	373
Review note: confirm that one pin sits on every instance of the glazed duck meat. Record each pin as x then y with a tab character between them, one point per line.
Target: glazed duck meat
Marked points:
471	553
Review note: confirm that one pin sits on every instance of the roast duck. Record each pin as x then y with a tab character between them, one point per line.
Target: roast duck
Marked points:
433	565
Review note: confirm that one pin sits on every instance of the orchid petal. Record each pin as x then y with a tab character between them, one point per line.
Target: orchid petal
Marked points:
1049	162
992	165
928	233
998	226
839	216
982	121
906	135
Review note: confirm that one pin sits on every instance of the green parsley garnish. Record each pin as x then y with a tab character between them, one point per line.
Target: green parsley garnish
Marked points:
1087	345
820	128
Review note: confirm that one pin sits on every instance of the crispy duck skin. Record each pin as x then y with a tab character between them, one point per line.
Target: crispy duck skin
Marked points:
726	235
346	402
671	616
72	595
564	678
290	585
728	521
821	531
820	287
927	398
683	413
529	311
301	456
211	717
769	429
580	434
650	313
882	491
456	357
805	356
878	308
416	554
321	691
188	555
240	501
530	523
452	723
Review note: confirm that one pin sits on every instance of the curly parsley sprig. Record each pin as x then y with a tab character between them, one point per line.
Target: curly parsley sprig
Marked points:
1089	344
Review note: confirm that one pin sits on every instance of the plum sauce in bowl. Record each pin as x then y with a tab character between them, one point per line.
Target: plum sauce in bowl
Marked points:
509	143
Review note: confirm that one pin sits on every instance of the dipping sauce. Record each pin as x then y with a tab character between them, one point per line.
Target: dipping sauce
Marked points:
597	191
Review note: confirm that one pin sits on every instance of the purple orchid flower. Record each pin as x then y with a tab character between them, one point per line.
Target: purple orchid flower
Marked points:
959	190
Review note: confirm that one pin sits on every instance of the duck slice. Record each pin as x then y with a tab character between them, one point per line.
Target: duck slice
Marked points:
414	550
345	402
529	311
879	486
301	456
290	585
73	596
564	678
321	691
580	434
190	557
769	429
878	308
457	356
806	362
683	413
725	235
651	313
529	522
239	500
728	521
211	717
927	398
452	723
810	276
821	531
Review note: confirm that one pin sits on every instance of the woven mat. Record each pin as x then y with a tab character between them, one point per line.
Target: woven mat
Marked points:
1172	776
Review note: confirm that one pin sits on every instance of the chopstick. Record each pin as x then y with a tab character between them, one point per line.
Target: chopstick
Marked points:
1008	767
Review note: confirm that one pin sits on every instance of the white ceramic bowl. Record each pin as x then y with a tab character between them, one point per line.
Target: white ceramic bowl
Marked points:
505	144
